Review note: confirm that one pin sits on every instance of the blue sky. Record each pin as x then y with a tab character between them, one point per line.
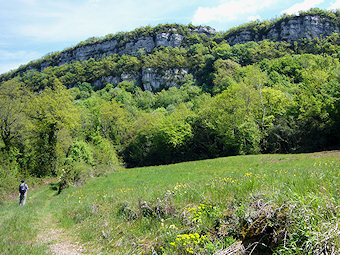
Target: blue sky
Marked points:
31	29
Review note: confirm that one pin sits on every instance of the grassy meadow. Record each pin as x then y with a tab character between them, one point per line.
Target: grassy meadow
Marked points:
258	204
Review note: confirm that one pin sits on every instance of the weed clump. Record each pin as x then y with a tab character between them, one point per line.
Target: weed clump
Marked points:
125	212
160	209
264	226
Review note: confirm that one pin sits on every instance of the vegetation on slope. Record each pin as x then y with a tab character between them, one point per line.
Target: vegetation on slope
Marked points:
263	97
243	99
281	204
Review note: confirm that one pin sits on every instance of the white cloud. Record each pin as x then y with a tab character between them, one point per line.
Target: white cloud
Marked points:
335	5
230	10
303	6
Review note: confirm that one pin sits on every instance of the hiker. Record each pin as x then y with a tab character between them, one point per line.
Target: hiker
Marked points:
23	192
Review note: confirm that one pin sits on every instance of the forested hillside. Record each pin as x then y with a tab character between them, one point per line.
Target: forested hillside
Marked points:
190	95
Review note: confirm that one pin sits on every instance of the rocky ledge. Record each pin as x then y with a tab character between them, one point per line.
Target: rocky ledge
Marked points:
147	44
289	30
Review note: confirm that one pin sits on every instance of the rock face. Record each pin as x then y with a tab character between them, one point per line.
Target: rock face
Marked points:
289	30
151	79
166	40
99	84
146	43
154	80
103	81
87	51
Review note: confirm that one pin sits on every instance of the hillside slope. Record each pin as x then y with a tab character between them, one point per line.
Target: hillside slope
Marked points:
264	204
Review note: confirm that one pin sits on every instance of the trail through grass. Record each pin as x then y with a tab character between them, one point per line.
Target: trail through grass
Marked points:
34	229
57	238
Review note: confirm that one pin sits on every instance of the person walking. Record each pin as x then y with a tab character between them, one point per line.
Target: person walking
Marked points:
23	192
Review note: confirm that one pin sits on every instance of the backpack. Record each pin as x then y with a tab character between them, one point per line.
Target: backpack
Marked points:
22	188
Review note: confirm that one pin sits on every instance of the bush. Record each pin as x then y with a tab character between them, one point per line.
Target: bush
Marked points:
74	173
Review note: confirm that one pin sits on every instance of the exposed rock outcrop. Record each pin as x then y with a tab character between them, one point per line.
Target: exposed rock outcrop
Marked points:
289	30
170	38
151	79
99	84
154	80
114	80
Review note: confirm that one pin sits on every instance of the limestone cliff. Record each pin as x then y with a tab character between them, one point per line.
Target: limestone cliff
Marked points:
126	45
289	29
154	80
150	79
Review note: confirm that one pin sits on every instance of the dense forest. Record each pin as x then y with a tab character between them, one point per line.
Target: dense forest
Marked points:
257	97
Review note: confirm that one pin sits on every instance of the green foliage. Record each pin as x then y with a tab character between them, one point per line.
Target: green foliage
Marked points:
13	97
105	156
223	100
80	151
86	160
85	90
229	114
173	130
9	171
53	116
247	114
137	147
167	58
145	100
223	75
73	173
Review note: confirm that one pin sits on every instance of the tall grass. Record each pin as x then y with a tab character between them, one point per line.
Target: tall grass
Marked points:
282	204
17	229
118	213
